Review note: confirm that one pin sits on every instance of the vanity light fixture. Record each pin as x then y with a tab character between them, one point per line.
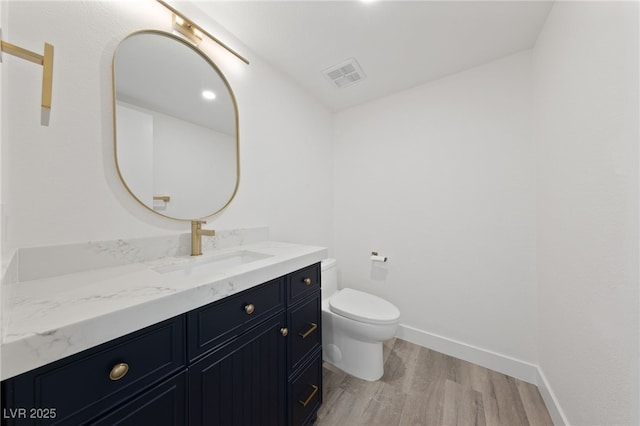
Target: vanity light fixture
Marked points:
193	32
187	29
46	60
208	95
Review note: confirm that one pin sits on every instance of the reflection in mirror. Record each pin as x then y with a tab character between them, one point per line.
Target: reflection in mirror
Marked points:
176	127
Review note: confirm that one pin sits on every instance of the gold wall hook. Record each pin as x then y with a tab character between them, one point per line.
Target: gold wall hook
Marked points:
46	60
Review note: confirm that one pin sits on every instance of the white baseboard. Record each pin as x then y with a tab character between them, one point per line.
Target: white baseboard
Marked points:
504	364
550	400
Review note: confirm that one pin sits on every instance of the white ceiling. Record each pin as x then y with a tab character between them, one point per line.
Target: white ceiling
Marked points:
399	44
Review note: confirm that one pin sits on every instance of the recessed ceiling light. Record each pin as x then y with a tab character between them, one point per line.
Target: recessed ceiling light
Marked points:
208	95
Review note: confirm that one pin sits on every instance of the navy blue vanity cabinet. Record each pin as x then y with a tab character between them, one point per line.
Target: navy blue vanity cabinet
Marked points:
253	358
81	388
237	346
257	355
304	349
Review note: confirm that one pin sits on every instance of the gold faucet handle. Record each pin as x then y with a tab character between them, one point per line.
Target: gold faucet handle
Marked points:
196	227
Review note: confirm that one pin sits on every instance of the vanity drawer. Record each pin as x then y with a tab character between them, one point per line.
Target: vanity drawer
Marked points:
305	333
218	322
84	385
303	282
305	393
163	405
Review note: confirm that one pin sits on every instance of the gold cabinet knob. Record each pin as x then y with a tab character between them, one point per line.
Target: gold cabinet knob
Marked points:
307	281
284	331
249	308
119	371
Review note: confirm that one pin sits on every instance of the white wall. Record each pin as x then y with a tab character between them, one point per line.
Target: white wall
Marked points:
5	251
3	254
586	122
440	179
68	187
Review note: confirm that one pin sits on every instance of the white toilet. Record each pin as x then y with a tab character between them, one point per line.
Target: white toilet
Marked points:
354	326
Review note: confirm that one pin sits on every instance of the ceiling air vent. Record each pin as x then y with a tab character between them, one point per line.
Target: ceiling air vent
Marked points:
345	73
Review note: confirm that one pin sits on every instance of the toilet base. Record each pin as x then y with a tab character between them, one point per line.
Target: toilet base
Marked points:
353	347
363	360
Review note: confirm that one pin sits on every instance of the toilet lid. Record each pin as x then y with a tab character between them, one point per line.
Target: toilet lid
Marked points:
363	307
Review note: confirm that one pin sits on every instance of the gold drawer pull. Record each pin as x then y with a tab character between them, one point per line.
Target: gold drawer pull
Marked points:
307	281
249	308
309	331
284	331
310	397
119	371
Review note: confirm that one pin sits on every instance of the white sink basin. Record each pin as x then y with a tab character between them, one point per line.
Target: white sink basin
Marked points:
211	264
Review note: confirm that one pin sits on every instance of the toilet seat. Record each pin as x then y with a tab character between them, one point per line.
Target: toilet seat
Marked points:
363	307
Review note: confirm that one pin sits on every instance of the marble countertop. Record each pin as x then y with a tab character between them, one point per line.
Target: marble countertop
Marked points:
50	318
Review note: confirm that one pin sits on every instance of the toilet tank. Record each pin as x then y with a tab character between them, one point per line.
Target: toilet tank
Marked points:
329	276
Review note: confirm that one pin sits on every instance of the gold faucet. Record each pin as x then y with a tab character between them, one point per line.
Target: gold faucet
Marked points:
196	236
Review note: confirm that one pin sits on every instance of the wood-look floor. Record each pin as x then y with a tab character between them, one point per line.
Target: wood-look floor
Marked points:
421	387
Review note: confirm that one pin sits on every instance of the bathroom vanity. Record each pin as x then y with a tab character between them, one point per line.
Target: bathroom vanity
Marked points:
228	337
249	357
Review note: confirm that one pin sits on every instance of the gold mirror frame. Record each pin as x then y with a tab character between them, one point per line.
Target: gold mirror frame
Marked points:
162	197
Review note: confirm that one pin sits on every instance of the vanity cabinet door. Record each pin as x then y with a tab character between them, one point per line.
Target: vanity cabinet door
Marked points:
242	382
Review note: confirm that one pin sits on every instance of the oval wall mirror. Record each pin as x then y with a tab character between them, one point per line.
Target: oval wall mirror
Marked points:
176	127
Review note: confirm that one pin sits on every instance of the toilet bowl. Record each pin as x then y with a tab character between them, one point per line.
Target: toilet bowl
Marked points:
354	326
